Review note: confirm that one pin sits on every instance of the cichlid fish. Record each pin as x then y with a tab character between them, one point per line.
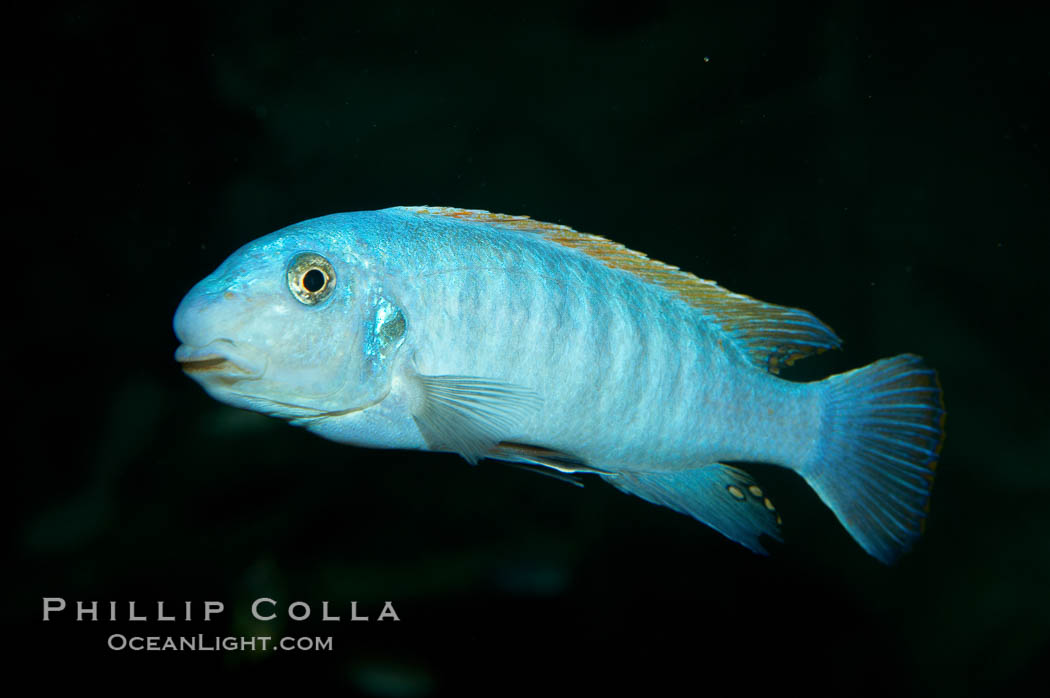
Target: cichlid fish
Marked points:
497	336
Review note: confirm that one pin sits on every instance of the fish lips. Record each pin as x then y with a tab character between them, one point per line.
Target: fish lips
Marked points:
218	362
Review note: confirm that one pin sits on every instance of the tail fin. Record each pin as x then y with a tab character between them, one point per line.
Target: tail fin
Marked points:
882	431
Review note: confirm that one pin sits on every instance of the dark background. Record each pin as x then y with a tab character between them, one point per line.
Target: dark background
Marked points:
880	164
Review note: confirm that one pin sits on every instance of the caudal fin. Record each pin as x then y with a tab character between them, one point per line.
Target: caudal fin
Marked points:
882	431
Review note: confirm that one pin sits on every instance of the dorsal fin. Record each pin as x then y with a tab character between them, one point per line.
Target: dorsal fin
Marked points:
770	335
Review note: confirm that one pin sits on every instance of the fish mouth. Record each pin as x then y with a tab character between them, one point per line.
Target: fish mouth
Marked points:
207	365
214	364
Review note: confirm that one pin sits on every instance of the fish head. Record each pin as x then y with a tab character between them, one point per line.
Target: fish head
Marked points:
290	325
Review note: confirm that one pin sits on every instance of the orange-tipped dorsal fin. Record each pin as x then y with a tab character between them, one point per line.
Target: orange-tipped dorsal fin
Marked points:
770	335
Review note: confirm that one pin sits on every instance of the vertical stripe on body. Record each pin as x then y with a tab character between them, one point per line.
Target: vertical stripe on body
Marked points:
631	377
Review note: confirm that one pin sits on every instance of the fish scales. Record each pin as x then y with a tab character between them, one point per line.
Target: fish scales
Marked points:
508	315
633	353
502	337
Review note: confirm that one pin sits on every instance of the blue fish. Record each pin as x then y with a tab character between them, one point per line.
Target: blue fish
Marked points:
497	336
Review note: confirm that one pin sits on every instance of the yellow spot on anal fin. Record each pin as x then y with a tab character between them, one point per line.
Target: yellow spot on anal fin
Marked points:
769	504
755	490
735	491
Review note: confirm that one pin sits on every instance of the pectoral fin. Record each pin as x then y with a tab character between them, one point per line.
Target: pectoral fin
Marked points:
721	496
470	416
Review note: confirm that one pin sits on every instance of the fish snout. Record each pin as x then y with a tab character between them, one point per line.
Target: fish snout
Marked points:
203	324
204	316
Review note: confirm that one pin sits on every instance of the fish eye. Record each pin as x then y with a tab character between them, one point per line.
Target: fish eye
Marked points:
311	278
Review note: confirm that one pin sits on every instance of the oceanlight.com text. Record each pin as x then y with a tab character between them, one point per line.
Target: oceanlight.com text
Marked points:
216	643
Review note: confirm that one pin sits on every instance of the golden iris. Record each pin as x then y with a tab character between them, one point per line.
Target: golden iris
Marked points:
311	278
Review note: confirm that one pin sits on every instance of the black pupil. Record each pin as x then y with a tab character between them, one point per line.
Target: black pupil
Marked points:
313	280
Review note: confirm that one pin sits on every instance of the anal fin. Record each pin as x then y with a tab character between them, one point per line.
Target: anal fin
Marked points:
721	496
